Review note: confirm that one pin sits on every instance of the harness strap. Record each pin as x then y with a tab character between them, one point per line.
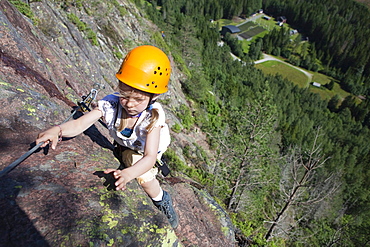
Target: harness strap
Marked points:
160	164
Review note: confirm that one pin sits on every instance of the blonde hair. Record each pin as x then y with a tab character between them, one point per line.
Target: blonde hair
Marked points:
124	116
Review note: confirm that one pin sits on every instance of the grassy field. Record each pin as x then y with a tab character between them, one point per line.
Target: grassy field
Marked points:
299	78
275	67
225	22
246	26
324	92
267	24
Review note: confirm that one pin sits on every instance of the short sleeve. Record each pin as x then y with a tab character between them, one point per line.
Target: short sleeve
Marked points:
162	116
108	106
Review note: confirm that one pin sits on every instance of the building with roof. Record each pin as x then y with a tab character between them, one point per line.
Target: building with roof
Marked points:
229	29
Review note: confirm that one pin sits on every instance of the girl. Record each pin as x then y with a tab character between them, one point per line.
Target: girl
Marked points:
135	121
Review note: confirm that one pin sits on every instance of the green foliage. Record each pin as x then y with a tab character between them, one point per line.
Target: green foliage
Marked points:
25	9
75	20
91	35
176	128
117	53
82	26
227	96
187	119
242	222
67	3
122	10
198	175
171	157
235	45
330	85
342	58
181	63
293	75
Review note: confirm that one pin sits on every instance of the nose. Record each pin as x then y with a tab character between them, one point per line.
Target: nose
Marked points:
129	102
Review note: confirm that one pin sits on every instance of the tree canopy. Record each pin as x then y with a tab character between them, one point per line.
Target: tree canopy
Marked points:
261	124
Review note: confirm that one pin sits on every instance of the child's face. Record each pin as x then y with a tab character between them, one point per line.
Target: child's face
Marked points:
132	100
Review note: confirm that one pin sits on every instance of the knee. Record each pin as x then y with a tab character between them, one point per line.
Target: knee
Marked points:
148	184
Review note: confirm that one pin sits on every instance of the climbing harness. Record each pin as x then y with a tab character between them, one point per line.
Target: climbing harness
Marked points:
160	163
163	167
83	106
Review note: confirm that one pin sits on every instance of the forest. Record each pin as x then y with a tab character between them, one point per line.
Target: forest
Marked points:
292	169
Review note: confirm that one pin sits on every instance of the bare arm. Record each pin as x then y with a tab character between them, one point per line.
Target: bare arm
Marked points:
69	129
143	165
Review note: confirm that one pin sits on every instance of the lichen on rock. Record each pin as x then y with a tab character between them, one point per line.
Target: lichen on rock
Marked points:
61	197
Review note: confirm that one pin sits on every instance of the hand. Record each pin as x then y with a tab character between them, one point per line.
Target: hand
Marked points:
50	135
120	176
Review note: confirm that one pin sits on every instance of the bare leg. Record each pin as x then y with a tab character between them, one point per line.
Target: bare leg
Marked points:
152	188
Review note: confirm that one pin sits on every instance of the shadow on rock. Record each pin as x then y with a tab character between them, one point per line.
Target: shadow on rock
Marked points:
16	229
95	134
109	179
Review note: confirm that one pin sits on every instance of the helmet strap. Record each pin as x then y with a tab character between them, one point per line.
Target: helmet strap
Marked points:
151	102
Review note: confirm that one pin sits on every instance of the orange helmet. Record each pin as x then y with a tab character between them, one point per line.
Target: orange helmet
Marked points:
146	68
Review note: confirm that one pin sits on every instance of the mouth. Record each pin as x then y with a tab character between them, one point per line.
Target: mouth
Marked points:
131	111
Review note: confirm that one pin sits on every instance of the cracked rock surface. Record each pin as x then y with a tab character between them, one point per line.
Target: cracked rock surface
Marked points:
61	197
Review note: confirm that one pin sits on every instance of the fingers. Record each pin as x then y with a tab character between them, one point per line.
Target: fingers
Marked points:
44	144
119	176
48	137
116	173
121	184
109	171
54	143
40	139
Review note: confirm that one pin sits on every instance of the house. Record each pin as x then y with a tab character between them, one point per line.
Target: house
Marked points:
292	32
282	19
316	84
229	29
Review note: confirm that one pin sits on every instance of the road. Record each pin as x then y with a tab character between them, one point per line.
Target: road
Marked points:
268	57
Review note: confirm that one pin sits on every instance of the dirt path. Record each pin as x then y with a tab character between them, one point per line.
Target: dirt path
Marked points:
267	57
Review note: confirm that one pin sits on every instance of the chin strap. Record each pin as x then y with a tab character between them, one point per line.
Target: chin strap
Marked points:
151	102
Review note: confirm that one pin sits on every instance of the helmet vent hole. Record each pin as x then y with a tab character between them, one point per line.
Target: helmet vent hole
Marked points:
155	86
148	85
155	72
159	68
153	82
160	73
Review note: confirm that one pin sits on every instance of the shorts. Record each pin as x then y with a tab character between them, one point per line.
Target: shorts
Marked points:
130	157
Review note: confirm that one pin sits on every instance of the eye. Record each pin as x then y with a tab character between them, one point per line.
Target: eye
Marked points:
139	99
124	97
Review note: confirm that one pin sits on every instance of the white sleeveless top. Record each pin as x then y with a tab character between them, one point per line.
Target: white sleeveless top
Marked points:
112	111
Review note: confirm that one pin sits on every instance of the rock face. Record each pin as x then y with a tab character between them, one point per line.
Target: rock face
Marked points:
61	197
